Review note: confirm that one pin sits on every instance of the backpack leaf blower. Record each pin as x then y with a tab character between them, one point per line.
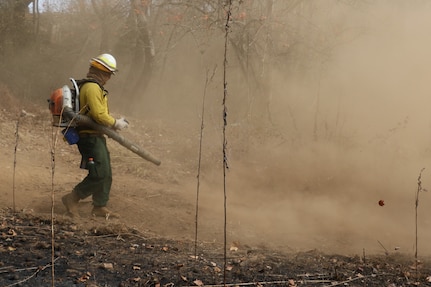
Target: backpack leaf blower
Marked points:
64	107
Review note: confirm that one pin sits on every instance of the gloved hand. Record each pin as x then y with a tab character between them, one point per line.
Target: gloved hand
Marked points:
121	123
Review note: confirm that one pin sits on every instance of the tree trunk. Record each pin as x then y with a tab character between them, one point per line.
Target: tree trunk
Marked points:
142	53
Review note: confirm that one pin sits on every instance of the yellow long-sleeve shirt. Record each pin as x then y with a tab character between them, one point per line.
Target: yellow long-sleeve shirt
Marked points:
94	103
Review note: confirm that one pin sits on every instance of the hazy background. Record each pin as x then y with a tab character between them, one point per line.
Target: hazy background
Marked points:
328	107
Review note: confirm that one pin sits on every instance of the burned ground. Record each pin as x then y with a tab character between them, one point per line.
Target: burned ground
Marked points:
111	254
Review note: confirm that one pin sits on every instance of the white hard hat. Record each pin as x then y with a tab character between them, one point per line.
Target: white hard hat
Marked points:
105	62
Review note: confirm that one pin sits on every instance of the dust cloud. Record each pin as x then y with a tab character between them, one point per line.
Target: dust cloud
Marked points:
354	131
291	190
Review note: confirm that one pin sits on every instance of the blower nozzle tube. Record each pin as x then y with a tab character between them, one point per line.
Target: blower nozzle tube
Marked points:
83	120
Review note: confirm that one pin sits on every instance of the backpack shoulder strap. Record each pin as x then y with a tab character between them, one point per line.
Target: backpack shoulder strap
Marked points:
81	82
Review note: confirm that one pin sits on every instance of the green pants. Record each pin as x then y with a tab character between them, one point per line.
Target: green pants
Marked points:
99	179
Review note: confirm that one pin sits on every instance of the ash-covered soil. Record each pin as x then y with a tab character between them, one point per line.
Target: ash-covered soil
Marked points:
111	254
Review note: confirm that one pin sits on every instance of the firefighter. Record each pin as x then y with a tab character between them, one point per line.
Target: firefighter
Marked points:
93	99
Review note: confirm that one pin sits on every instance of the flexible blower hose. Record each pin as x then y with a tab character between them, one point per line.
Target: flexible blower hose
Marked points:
83	120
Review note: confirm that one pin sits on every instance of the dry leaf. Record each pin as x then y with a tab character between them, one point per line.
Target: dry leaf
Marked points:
68	233
84	277
217	269
184	278
107	266
198	282
136	267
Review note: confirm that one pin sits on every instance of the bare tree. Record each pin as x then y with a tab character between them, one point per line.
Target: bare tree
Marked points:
13	28
141	47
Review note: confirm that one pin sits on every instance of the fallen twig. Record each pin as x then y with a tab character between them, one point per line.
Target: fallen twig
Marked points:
5	268
386	251
354	279
344	282
315	281
247	283
32	275
10	269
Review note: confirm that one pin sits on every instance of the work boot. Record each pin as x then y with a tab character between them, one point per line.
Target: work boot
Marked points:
71	201
102	211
